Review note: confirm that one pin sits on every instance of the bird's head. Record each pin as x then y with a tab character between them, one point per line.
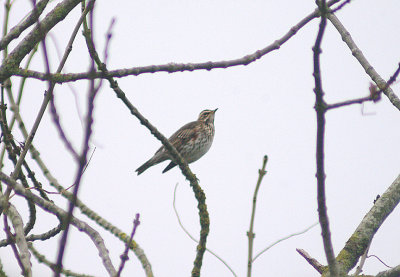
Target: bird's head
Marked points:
207	116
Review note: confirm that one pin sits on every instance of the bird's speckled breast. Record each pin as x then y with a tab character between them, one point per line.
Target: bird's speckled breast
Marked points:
200	145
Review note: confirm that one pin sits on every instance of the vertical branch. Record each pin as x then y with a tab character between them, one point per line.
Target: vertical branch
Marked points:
82	158
321	108
7	8
11	239
250	233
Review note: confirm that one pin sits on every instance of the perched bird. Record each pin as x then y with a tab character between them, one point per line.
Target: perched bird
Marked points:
192	141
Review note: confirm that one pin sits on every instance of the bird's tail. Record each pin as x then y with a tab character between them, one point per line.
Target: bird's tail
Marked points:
153	161
143	167
171	165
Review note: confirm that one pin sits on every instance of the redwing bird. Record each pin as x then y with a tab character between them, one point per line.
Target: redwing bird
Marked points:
192	141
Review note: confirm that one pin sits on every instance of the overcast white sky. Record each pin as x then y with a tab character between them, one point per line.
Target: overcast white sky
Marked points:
263	108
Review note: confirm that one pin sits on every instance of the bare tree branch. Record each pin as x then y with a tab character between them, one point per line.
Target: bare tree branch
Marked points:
285	238
320	108
313	262
11	239
176	157
195	240
250	233
357	244
84	209
20	240
35	36
79	224
124	256
171	67
27	22
42	259
357	53
81	161
15	104
394	272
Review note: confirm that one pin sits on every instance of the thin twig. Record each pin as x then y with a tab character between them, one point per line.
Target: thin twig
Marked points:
90	159
55	117
108	39
379	259
285	238
70	85
348	103
339	7
374	93
192	238
392	79
124	257
250	233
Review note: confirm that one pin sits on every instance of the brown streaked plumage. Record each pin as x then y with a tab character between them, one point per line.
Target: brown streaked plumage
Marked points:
192	141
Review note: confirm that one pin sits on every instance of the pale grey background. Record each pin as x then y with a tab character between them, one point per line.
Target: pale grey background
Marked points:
264	108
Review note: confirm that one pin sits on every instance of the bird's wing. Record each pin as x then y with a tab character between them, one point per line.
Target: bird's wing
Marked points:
184	134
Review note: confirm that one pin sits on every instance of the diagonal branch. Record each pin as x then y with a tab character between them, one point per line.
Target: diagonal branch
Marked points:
358	243
357	53
176	157
124	257
313	262
16	31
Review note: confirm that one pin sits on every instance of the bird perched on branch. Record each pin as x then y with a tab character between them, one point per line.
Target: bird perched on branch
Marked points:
192	141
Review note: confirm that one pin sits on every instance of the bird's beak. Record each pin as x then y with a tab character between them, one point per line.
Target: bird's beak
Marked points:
215	110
